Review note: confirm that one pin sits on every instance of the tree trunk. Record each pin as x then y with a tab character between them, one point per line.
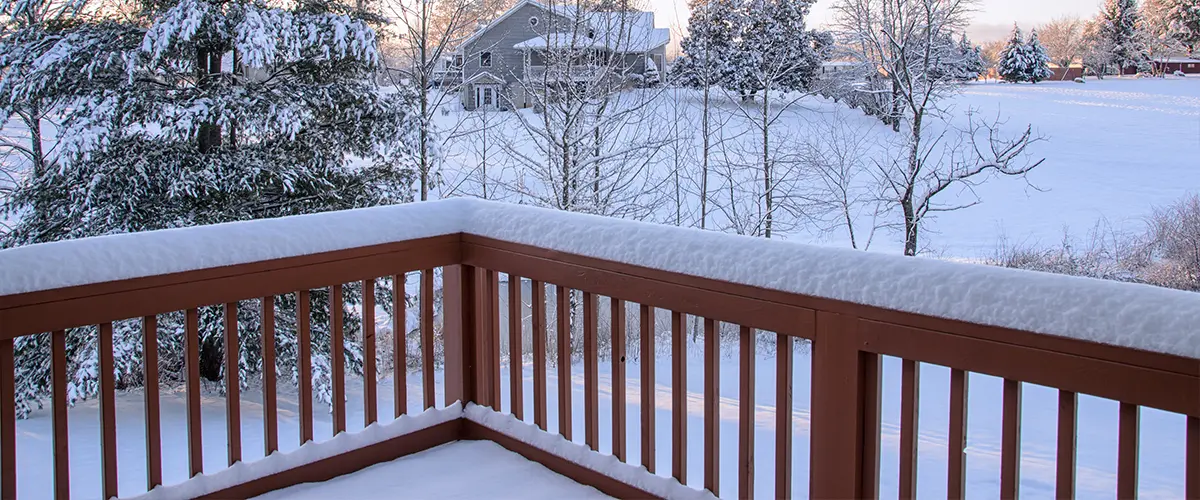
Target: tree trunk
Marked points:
208	64
911	222
704	161
766	158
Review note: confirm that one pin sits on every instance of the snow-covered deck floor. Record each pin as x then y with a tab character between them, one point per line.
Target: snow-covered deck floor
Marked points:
462	469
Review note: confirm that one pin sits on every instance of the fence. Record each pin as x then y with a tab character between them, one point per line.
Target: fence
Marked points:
848	340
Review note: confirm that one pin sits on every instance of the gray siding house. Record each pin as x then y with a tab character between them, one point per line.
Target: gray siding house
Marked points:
507	59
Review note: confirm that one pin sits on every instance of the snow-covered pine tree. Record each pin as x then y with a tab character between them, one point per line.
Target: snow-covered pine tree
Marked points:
1121	27
1038	59
971	64
1014	60
199	112
1185	23
704	52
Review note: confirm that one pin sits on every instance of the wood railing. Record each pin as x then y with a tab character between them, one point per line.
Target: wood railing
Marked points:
848	341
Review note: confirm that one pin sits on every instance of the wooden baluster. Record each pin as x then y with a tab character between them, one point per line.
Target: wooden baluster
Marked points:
61	445
370	414
399	344
783	415
538	324
427	377
563	294
1068	409
1192	474
746	413
304	359
516	368
233	419
270	407
712	407
646	333
910	395
192	365
678	398
1010	450
1127	451
617	309
108	412
8	421
493	337
591	374
338	359
957	442
150	380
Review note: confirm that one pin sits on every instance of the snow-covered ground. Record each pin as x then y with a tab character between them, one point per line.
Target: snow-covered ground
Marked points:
1161	462
439	473
1114	149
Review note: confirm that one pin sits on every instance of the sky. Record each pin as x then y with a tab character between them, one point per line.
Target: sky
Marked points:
993	19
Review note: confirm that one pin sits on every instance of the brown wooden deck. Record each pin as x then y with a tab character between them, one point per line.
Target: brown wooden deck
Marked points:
848	341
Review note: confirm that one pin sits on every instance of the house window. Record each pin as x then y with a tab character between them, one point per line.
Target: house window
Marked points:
458	60
591	33
533	21
1190	66
485	59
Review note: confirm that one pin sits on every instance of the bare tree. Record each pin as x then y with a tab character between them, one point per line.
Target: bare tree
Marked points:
1063	39
839	194
591	144
900	38
426	32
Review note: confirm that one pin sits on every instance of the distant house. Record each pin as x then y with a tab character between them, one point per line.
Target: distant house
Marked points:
501	61
447	71
1070	73
1183	64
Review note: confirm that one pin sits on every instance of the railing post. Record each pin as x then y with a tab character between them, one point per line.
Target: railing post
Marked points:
460	299
845	412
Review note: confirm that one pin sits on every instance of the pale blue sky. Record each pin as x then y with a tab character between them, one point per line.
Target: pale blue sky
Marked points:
993	20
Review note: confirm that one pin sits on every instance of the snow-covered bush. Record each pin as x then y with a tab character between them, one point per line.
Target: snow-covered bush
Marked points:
1080	79
1180	74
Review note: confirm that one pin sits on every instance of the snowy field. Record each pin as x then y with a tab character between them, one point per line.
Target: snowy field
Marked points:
1113	149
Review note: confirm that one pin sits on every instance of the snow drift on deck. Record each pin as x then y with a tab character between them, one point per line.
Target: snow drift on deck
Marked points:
1123	314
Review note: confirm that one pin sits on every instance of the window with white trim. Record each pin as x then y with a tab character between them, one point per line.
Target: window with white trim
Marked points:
485	59
533	21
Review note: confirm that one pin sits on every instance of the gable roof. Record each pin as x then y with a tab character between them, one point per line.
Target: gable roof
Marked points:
627	31
484	75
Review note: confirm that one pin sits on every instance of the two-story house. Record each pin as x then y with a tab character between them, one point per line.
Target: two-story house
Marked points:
501	61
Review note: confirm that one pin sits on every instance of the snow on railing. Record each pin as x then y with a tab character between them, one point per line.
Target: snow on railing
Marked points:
1122	314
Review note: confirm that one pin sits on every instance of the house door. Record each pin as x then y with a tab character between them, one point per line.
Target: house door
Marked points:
487	96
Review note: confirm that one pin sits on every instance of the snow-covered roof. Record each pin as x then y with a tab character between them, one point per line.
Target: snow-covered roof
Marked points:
628	31
1129	315
484	75
1175	60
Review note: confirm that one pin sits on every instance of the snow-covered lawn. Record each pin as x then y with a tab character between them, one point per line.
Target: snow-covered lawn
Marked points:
1162	434
1114	149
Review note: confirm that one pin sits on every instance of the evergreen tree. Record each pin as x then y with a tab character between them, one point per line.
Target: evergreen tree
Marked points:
970	64
1121	27
1185	23
1038	59
709	43
198	112
774	50
1014	60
